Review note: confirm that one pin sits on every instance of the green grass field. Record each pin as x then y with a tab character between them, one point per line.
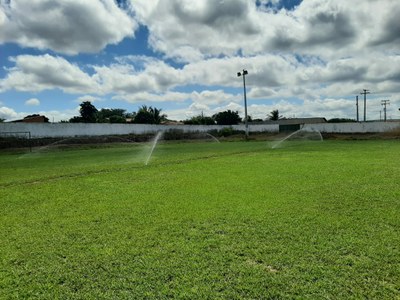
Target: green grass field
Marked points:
232	220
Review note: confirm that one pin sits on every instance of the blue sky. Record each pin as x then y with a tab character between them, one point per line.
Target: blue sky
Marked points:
305	58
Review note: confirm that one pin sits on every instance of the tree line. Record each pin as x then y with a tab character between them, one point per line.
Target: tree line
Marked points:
145	115
152	115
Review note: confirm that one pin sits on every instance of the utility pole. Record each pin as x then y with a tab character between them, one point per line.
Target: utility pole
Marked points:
365	92
358	119
384	103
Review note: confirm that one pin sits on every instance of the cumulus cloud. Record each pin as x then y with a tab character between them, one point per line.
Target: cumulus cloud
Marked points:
60	115
212	27
153	75
326	28
89	98
145	97
205	97
65	26
331	108
139	79
7	113
214	97
32	102
37	73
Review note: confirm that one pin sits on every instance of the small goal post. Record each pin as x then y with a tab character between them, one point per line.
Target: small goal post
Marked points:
25	135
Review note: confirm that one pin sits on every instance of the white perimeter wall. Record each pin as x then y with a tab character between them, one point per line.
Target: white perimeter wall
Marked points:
38	130
367	127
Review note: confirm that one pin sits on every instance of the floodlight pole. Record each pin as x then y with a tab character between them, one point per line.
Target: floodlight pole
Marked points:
244	73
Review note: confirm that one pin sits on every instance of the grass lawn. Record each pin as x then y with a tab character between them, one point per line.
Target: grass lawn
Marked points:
232	220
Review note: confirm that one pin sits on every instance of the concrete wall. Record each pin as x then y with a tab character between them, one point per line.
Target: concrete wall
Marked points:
93	129
367	127
38	130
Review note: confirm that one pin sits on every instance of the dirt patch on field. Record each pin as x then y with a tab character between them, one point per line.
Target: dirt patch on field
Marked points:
395	134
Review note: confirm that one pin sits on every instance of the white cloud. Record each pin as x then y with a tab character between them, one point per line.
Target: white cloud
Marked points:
214	97
8	113
156	76
60	115
66	26
32	102
271	76
329	108
205	97
89	98
192	110
145	97
212	27
45	72
329	28
199	108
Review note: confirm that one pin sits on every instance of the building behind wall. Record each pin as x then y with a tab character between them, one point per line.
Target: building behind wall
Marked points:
33	119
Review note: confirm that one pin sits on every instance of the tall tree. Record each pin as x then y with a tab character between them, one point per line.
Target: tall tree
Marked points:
88	112
227	117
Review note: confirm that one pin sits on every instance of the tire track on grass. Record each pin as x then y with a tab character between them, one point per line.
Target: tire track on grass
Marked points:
122	169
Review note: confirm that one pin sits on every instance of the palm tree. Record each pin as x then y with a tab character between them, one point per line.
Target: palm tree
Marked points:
274	115
148	115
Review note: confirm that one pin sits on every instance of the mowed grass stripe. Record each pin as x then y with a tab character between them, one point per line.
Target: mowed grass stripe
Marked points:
306	221
56	164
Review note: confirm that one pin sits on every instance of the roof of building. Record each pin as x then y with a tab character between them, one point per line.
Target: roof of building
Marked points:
297	121
32	119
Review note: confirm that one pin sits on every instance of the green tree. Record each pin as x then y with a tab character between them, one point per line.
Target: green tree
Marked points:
76	119
341	120
148	115
249	119
2	120
257	120
88	112
274	115
200	120
227	117
117	119
111	115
